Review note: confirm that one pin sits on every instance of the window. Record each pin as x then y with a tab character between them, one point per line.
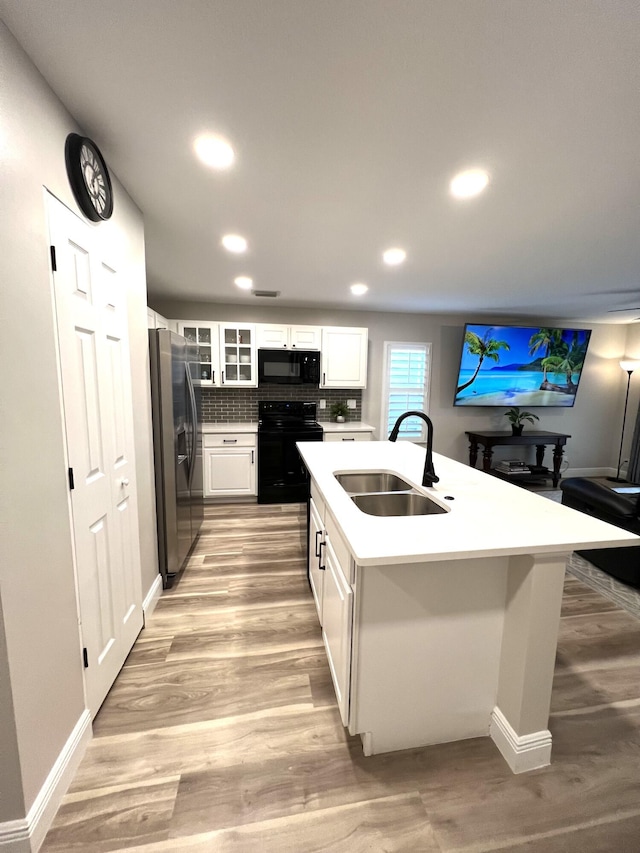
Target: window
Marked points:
407	368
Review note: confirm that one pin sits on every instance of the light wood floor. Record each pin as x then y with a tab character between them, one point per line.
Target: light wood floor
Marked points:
222	734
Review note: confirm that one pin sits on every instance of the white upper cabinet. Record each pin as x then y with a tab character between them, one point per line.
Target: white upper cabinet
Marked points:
238	355
205	335
272	336
157	321
344	357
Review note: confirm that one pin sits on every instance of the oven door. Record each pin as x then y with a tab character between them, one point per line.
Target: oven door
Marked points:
282	475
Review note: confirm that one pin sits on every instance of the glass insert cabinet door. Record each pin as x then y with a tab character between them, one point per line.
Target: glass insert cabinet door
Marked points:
206	338
237	351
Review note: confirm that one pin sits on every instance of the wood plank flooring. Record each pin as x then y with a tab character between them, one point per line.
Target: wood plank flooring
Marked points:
221	734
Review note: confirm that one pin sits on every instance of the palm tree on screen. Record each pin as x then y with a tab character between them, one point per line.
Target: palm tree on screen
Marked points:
483	347
544	338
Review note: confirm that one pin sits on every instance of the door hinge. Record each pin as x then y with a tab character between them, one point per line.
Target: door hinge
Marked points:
54	265
71	483
85	658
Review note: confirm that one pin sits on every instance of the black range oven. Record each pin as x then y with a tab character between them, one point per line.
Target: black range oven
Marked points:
282	476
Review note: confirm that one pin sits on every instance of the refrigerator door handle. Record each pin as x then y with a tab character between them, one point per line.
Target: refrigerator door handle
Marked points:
194	424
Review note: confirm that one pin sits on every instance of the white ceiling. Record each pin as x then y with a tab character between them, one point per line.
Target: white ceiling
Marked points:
349	118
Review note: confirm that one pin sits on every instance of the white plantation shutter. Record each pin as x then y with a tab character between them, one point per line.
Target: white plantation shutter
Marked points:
406	386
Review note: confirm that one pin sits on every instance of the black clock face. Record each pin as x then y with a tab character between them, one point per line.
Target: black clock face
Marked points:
89	177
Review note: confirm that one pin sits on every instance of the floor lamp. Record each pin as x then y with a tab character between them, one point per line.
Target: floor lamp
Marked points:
629	366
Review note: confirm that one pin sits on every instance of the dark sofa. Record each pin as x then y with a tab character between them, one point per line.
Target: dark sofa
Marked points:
622	510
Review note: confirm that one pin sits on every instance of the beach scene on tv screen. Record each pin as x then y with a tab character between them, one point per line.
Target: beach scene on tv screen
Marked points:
520	366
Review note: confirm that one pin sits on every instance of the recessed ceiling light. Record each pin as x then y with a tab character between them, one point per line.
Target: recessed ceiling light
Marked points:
470	183
234	243
214	151
393	257
359	289
244	282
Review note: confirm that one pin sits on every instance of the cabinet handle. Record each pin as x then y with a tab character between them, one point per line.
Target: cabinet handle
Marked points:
348	439
318	533
213	376
252	452
229	440
324	378
222	377
320	566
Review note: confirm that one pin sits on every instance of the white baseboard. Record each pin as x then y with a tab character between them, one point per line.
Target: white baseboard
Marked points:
521	752
26	835
152	598
589	472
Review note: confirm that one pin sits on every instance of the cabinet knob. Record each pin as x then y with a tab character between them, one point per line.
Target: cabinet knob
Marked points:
124	481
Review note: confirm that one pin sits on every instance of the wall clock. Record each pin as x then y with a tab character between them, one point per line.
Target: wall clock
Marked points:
89	177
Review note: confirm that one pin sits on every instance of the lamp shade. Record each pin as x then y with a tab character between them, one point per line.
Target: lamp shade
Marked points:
629	365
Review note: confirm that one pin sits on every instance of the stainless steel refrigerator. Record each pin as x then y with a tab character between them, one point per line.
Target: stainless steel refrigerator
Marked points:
177	445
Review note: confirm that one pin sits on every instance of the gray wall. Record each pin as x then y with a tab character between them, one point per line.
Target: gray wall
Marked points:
41	684
593	423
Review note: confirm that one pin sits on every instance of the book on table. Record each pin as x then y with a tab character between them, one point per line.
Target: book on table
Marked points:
512	466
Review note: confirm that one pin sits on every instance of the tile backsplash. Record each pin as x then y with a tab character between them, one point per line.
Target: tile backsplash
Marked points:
240	405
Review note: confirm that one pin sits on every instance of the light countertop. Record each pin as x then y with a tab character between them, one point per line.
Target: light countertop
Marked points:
487	516
212	429
348	426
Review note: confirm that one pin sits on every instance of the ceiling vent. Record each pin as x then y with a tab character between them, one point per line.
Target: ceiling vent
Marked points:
271	293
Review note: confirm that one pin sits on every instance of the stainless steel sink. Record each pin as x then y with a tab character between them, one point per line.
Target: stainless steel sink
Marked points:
397	503
372	481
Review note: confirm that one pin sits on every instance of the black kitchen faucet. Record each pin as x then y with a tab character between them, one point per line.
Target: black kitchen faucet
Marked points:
429	476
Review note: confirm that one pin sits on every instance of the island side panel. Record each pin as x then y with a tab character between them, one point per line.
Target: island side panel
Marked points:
426	651
520	720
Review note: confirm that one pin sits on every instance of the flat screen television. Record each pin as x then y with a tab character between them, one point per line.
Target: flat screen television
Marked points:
520	365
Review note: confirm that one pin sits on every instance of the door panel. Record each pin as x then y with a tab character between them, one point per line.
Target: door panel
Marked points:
94	363
315	546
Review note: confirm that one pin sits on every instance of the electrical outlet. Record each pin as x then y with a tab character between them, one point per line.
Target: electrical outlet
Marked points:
351	404
323	404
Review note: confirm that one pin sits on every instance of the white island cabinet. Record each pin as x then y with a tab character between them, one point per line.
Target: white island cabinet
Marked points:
315	550
443	627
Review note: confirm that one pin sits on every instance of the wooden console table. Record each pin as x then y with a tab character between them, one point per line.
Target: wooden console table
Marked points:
539	438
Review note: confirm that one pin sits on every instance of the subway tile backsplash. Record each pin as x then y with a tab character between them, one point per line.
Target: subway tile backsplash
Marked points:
240	405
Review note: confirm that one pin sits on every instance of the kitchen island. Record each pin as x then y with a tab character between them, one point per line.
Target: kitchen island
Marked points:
442	627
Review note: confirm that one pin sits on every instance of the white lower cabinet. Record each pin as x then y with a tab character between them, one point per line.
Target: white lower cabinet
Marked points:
316	554
337	623
331	577
229	464
347	436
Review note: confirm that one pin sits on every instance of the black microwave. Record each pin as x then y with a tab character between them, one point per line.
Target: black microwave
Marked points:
288	367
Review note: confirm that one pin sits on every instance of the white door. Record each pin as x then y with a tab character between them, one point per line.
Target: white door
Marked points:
91	311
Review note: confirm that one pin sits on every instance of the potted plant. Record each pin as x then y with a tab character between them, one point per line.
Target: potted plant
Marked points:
517	418
339	412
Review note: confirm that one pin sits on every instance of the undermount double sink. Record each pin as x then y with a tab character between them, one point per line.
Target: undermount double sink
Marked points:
383	493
